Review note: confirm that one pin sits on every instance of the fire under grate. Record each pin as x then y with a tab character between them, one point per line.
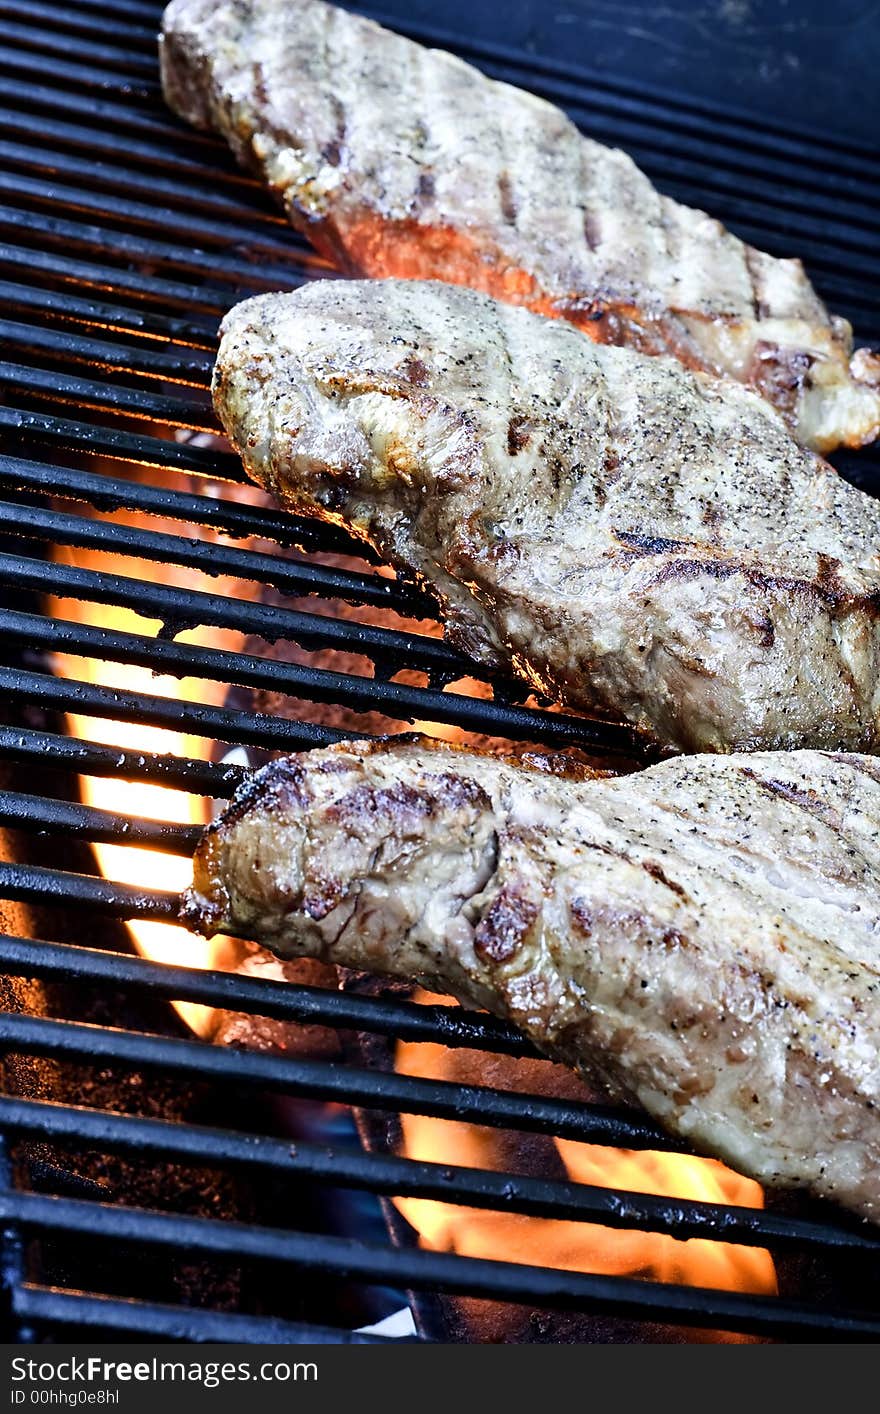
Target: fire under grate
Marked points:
123	239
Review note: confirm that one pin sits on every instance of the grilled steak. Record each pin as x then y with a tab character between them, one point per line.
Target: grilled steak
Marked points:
627	535
702	938
403	161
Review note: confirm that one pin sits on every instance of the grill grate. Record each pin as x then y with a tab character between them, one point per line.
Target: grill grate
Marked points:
122	240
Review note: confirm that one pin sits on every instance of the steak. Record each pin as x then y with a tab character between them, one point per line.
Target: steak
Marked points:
628	536
397	160
701	939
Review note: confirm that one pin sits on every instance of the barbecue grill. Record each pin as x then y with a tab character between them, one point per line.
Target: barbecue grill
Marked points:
124	239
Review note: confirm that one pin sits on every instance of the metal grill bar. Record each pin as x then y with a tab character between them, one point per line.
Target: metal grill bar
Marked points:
84	76
422	1270
106	493
91	759
215	265
60	817
96	313
322	1080
217	723
48	41
109	397
63	20
188	367
532	1197
179	609
188	191
51	1307
33	884
317	684
49	265
308	1006
289	576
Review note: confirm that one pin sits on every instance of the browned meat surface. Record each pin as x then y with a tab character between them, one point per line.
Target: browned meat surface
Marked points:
625	534
397	160
702	939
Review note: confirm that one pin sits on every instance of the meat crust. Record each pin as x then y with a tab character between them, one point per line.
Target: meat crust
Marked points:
397	160
628	536
702	938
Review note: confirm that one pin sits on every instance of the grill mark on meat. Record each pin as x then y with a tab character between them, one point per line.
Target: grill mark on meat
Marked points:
519	431
289	787
833	597
504	928
425	188
592	226
415	371
804	798
591	920
657	872
405	804
649	544
759	308
509	208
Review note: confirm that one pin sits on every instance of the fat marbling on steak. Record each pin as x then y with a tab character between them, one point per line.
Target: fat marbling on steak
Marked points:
397	160
627	535
702	938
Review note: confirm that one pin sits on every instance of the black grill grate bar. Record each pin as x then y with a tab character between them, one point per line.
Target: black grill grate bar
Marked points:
278	241
51	1307
84	75
435	1271
316	684
103	112
212	723
291	577
451	1026
215	265
184	366
190	190
42	39
108	397
180	609
98	314
130	284
125	12
169	152
95	439
88	758
329	1081
402	1177
107	493
78	21
46	815
31	883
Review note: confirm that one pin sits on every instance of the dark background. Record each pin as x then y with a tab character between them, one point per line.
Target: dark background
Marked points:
809	63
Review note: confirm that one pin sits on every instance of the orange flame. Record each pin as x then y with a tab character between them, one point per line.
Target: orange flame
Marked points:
574	1246
140	800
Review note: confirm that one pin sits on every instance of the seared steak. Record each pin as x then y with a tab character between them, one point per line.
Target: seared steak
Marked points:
702	938
400	160
625	534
